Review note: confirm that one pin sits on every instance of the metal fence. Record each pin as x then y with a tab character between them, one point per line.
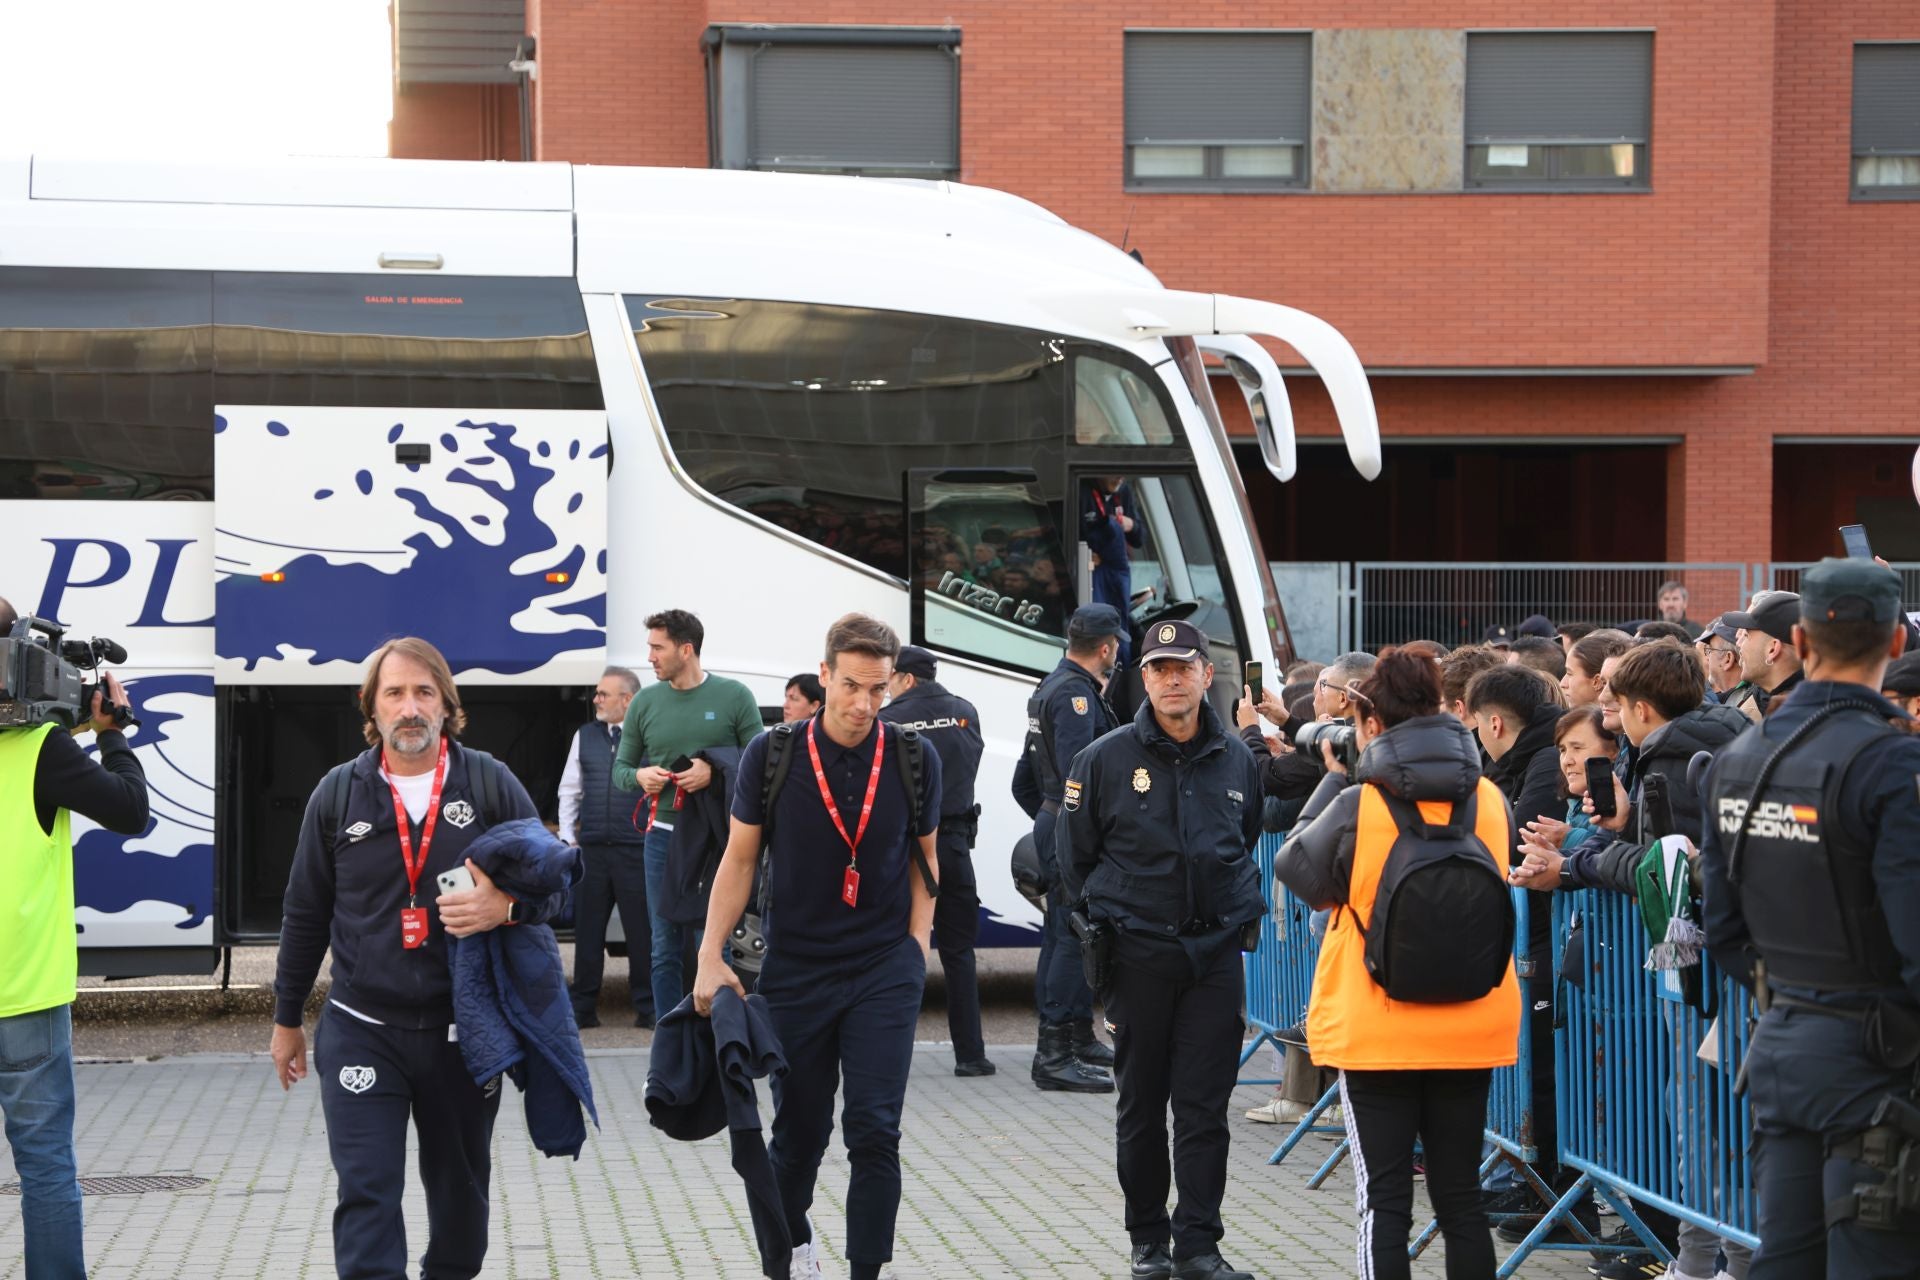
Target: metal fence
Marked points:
1785	576
1649	1112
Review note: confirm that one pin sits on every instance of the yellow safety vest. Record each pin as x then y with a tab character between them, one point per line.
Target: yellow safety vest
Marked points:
38	953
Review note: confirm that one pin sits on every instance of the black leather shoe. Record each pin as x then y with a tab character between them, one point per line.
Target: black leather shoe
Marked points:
1207	1266
644	1021
585	1018
1151	1262
978	1067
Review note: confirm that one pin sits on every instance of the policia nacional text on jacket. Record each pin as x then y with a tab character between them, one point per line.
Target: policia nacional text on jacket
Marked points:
1156	832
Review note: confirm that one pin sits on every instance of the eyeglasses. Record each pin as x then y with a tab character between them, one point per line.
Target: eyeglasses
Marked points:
1353	691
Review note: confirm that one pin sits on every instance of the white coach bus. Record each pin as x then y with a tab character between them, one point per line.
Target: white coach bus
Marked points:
255	419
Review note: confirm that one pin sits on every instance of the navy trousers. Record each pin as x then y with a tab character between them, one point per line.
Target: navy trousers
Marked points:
1811	1083
851	1018
956	928
1060	991
372	1079
614	875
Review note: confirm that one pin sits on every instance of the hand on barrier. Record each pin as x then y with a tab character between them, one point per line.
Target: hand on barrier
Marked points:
1541	869
1550	832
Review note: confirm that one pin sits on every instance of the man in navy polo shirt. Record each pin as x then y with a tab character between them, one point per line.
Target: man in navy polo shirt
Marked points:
848	921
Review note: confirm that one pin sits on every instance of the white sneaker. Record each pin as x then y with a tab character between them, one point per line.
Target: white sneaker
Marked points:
806	1258
1277	1110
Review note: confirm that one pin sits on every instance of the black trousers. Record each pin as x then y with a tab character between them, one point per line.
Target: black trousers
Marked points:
1811	1083
372	1078
1175	1014
1447	1112
615	875
1060	990
956	928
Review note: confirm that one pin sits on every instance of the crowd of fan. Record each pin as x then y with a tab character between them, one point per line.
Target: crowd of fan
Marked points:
1543	699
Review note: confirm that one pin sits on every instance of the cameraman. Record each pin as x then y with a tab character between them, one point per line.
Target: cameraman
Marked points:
45	778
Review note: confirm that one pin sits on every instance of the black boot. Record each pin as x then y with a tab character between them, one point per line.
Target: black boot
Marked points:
1055	1069
1152	1262
1087	1048
1207	1266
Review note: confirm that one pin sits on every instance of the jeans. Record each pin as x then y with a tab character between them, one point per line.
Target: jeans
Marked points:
36	1093
669	979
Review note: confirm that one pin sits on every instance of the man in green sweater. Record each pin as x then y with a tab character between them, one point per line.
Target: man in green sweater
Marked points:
682	714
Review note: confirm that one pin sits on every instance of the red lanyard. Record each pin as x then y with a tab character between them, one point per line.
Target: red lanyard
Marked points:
414	868
1099	504
826	794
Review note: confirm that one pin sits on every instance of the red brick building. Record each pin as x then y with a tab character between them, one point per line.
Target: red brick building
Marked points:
1676	320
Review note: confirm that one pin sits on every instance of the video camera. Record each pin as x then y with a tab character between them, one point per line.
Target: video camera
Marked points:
44	676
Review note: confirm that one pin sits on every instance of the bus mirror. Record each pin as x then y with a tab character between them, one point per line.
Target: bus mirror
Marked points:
1266	396
1332	357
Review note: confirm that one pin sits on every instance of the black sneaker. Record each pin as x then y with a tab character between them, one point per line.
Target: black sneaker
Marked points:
644	1021
1152	1262
977	1067
1642	1268
585	1018
1622	1237
1514	1230
1513	1200
1207	1266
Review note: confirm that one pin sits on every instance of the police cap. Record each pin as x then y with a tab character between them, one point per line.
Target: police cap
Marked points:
1903	676
1181	641
1838	590
1537	624
1772	612
1498	636
1093	620
916	662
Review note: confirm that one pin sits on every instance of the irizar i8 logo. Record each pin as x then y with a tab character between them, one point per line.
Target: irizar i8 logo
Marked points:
1771	820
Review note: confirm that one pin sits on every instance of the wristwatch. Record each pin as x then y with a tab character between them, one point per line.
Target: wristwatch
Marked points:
1566	874
513	910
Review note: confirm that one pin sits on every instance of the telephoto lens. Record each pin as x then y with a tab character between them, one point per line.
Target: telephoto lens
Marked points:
1346	745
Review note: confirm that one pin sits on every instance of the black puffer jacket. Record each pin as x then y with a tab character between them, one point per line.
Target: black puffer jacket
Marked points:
1426	758
1665	755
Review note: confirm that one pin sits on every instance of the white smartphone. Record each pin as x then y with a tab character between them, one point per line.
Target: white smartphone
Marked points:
455	880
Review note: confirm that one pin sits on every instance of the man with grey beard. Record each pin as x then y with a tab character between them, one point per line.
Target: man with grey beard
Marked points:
379	834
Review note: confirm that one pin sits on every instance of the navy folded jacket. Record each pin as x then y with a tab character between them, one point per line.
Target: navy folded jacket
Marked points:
510	990
700	1080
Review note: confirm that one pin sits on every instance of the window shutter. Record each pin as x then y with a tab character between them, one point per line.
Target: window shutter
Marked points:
1886	98
1218	88
856	107
1559	86
457	41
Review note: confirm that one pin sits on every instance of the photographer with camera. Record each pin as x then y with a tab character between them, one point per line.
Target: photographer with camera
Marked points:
46	778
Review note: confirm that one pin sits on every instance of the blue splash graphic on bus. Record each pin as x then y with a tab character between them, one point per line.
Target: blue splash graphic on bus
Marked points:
463	555
172	860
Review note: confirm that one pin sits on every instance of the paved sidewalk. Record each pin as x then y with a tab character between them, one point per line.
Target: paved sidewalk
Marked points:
1001	1181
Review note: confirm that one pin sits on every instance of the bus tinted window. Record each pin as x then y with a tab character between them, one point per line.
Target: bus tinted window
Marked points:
106	387
809	415
405	341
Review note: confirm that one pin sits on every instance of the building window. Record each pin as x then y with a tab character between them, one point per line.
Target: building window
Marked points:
1218	111
1559	109
878	101
1886	121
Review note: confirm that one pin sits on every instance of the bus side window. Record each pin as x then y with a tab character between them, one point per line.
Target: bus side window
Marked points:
106	386
807	415
458	342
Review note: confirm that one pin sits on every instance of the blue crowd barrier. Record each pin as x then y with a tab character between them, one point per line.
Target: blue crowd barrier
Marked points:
1646	1115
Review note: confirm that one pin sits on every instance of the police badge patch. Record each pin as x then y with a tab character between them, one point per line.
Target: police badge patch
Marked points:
1070	800
1141	782
458	812
1079	706
1166	634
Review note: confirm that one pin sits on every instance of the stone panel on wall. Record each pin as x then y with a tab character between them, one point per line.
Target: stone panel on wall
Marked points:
1388	109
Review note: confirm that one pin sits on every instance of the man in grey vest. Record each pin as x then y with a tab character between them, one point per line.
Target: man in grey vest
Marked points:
598	817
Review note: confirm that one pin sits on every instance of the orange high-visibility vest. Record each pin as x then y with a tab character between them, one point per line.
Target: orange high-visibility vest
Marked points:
1351	1024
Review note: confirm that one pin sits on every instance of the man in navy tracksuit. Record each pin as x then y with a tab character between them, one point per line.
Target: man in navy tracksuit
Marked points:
386	1046
848	916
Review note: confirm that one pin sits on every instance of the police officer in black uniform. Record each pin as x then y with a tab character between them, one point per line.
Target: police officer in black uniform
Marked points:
1066	712
1155	843
1811	864
951	726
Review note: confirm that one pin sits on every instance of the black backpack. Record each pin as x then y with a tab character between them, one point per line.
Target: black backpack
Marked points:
1443	920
